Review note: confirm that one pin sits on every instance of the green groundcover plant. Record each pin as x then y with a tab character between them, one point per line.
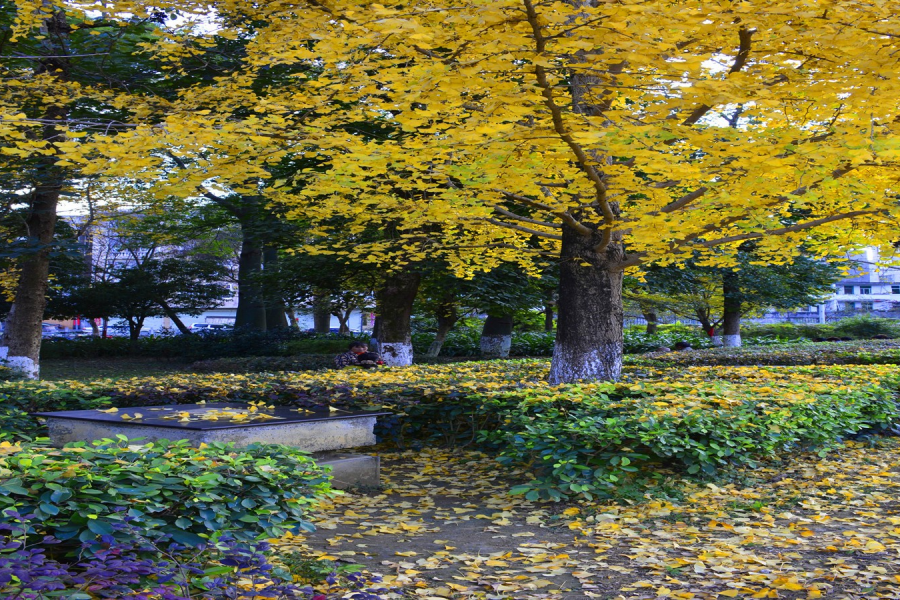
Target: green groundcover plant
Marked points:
578	439
193	495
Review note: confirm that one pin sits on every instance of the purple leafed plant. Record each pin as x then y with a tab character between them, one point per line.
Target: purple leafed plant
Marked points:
156	569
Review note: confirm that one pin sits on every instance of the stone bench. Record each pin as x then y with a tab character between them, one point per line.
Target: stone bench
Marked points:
322	432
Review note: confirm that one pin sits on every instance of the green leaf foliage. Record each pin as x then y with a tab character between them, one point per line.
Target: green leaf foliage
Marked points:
81	491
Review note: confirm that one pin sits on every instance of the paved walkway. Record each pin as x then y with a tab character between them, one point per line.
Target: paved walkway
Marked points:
444	527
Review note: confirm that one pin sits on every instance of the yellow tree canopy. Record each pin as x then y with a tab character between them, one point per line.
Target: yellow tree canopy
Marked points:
675	127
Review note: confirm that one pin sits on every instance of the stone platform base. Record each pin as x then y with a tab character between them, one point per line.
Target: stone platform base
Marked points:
351	470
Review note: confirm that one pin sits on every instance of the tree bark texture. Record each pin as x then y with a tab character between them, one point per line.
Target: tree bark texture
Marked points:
275	309
394	301
496	336
731	317
589	339
251	310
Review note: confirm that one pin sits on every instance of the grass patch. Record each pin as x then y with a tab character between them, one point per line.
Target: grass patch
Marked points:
89	369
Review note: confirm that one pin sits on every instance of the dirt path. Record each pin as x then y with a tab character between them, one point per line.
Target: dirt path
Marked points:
443	527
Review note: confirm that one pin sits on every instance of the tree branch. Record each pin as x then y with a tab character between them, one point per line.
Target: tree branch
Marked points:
681	202
745	39
513	215
560	128
526	200
543	234
790	229
562	214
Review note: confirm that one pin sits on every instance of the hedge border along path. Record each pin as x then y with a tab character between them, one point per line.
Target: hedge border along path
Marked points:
805	528
591	440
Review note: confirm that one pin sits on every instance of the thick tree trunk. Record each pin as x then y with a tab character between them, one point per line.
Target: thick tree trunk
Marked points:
275	308
496	336
174	316
589	325
652	321
731	318
447	316
95	329
394	300
22	334
321	314
251	310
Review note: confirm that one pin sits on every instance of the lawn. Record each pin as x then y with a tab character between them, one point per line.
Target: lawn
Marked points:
88	369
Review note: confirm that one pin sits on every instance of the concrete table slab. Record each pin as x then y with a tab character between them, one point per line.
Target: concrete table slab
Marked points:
313	431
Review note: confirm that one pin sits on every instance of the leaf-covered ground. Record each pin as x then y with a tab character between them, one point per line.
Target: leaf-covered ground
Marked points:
444	527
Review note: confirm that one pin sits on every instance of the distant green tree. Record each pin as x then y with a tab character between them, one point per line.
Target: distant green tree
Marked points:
719	297
166	287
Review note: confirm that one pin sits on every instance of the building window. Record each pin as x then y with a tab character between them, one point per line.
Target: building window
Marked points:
895	289
848	289
847	306
867	306
865	289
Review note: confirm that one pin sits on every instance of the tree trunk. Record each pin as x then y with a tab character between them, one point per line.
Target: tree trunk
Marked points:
134	328
447	316
496	336
589	325
22	334
394	300
321	314
375	338
652	320
548	317
105	330
292	318
172	315
275	308
95	330
731	317
343	318
251	311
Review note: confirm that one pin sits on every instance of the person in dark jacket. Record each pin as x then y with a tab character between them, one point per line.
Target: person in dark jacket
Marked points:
357	355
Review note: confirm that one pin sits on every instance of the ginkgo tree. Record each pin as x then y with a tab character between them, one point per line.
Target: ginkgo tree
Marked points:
608	134
617	133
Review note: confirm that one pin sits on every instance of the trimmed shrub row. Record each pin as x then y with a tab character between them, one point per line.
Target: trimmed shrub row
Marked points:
869	352
578	439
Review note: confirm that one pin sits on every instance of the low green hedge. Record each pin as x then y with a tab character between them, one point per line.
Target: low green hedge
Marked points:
868	352
586	439
82	491
200	346
591	444
860	327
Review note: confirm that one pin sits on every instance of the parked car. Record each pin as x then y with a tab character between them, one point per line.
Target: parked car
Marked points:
212	327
